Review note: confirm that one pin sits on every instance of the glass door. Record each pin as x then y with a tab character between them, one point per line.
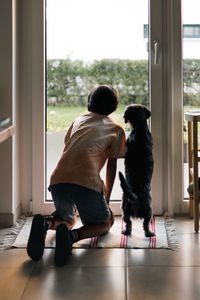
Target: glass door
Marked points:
191	71
101	42
94	42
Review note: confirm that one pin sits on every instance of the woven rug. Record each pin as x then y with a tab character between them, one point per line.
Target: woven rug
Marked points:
164	229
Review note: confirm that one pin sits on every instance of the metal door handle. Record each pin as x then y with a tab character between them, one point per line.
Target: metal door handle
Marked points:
156	48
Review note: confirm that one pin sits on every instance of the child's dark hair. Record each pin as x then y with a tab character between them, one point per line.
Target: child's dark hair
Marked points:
103	100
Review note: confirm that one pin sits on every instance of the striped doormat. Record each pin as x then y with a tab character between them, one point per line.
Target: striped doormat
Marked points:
164	229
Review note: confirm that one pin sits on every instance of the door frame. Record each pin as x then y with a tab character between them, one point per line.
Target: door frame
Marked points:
156	103
167	110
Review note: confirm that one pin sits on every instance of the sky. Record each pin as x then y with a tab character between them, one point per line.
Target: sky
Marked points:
96	29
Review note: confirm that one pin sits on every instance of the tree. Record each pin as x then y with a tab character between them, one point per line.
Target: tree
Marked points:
71	81
191	75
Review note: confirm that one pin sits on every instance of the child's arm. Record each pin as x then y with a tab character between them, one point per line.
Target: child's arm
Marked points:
110	176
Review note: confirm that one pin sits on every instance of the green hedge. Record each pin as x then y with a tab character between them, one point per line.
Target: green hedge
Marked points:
71	81
191	79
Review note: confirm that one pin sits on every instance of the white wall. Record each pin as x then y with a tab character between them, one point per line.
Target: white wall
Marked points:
16	97
6	106
10	200
26	102
16	106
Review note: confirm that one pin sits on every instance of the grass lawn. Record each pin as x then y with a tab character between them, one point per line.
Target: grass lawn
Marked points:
59	118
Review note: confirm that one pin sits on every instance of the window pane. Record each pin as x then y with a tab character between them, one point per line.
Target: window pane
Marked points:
92	42
191	69
191	31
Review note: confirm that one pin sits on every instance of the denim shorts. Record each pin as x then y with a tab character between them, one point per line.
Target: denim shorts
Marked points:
91	205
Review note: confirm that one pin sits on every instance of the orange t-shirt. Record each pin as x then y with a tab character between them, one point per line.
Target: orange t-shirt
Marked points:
89	142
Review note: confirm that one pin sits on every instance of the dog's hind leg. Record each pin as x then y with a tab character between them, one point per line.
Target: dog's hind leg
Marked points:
126	216
127	220
146	222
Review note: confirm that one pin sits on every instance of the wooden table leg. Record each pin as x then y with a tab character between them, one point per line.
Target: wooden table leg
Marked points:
190	164
195	163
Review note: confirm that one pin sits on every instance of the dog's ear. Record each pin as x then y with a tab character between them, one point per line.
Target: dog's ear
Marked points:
127	114
125	117
147	113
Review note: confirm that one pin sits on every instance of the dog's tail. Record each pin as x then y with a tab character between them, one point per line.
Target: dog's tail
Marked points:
130	195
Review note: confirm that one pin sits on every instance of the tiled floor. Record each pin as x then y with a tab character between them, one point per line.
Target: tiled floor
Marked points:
107	274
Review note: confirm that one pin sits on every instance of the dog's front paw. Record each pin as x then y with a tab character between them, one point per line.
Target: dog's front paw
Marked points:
149	234
126	232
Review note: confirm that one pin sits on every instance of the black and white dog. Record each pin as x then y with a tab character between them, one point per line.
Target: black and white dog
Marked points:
136	201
